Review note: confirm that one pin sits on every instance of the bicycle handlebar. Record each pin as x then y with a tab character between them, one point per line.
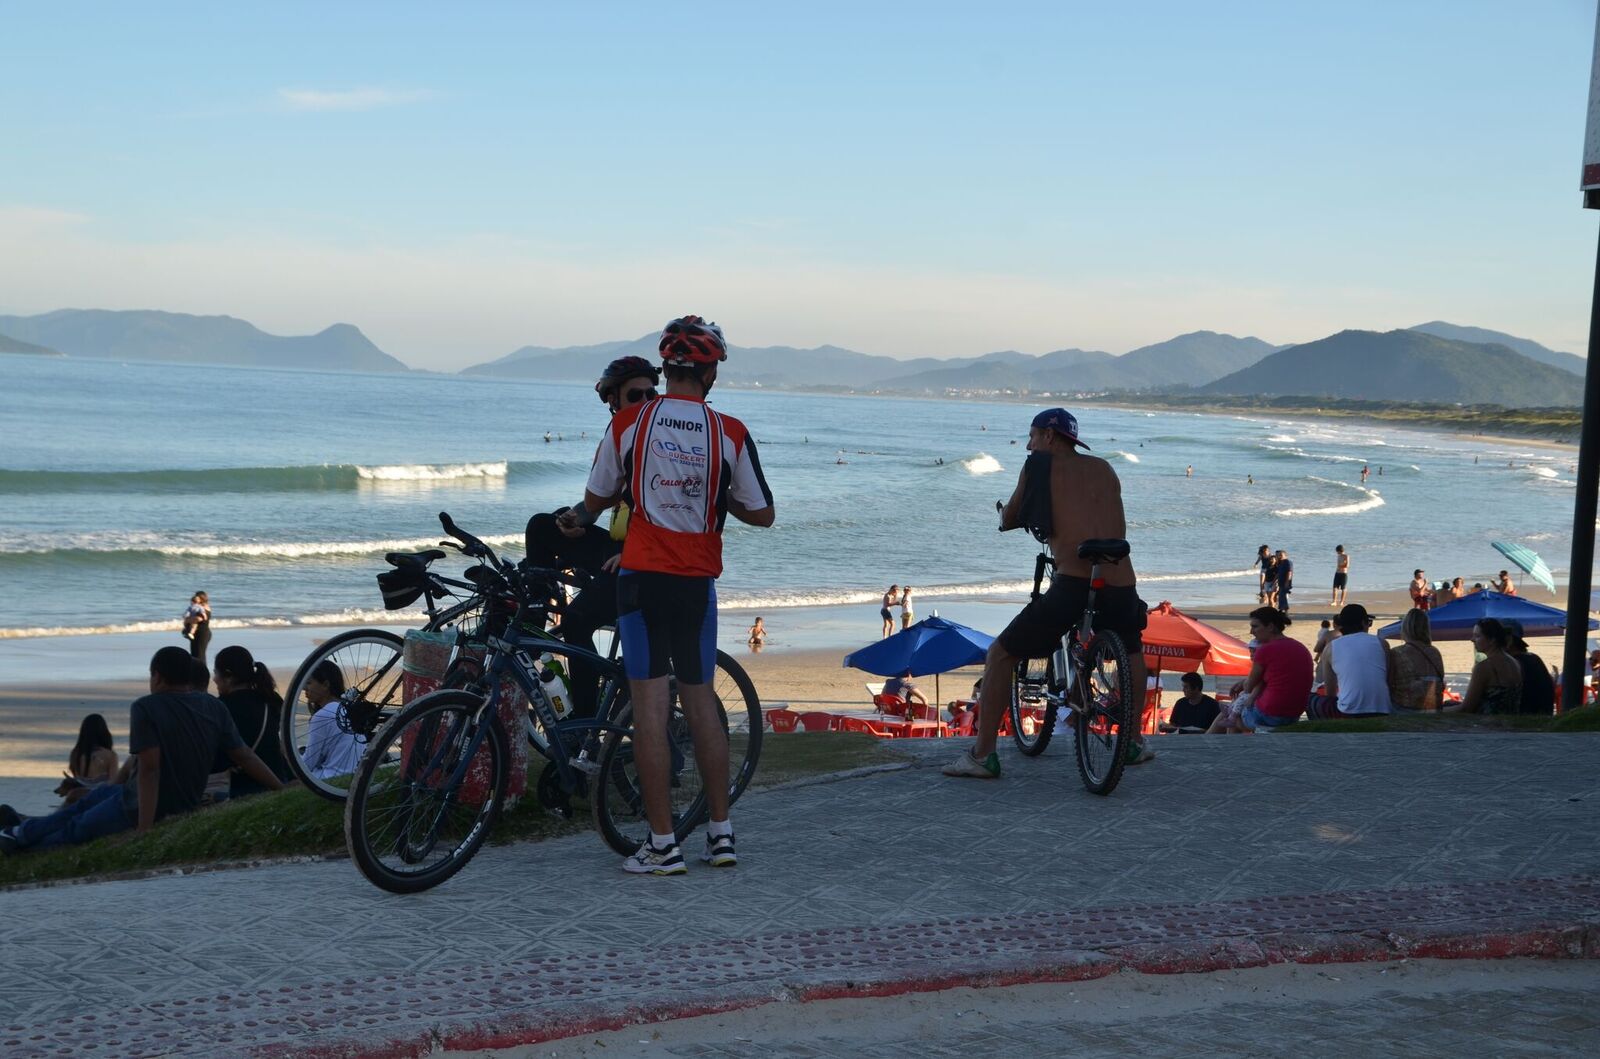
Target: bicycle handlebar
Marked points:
470	545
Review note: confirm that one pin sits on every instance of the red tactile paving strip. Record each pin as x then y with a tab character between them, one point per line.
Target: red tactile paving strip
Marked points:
533	1000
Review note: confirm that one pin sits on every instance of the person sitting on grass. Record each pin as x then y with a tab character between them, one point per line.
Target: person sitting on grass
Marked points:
1538	686
1496	684
1416	669
1195	711
247	689
1279	682
330	751
175	733
1358	679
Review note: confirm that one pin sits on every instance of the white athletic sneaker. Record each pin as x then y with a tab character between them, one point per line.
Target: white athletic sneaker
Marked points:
719	851
652	861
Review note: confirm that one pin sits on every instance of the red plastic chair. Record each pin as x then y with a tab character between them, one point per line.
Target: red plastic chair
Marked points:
890	705
858	724
817	721
782	720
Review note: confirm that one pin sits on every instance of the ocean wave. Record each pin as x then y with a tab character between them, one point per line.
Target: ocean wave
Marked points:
1325	457
982	463
354	617
930	593
1544	472
1372	500
308	478
101	549
1130	457
1283	438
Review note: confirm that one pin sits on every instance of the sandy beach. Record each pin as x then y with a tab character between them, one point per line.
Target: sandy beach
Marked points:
39	719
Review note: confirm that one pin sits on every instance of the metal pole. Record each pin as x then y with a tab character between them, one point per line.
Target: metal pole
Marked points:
1581	576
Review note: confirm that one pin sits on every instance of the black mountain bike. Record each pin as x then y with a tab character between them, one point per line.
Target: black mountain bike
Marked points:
1087	675
434	779
372	675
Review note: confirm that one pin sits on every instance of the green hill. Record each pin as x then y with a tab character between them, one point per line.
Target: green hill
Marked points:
1405	366
12	345
180	337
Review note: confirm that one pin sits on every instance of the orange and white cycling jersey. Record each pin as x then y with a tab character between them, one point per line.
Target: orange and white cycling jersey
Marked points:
676	462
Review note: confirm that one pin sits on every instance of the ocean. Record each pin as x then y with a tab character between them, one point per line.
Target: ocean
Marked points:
125	487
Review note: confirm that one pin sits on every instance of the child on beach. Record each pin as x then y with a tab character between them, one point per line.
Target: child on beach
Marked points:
758	634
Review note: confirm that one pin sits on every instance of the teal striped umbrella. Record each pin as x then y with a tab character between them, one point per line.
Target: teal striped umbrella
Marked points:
1528	561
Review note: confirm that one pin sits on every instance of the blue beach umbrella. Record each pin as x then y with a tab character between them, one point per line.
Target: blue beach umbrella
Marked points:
933	645
1528	561
1454	621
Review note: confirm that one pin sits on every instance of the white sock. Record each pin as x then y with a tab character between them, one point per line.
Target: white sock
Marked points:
663	841
718	828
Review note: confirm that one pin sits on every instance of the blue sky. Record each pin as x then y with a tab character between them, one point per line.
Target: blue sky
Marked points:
910	179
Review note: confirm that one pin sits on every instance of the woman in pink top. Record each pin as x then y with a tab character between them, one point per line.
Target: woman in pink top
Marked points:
1280	676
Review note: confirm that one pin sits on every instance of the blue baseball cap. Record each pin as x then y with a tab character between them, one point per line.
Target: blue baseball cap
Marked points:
1062	422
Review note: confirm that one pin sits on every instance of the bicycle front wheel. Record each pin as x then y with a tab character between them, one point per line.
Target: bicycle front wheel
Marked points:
428	792
617	797
368	661
1033	710
1103	713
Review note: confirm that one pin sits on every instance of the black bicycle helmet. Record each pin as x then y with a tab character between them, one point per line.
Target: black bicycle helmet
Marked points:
621	369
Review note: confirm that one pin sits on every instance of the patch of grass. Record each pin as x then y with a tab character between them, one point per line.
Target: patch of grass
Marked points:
296	822
1453	722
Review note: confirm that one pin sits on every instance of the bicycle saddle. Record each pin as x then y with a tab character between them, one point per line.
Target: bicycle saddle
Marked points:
412	560
1108	550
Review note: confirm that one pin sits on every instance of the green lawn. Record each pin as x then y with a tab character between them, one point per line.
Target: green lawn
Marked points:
296	822
1584	720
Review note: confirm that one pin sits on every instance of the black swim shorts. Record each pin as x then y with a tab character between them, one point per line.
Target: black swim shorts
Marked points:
1339	580
667	623
1037	631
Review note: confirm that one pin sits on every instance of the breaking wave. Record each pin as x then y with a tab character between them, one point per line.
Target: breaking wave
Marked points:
1356	507
982	463
309	478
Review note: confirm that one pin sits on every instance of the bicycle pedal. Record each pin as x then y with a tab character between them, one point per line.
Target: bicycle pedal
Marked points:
585	765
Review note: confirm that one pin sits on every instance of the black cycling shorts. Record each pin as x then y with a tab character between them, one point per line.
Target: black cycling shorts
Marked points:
668	623
1037	631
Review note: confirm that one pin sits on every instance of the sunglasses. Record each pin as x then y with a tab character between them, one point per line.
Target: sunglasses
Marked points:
643	393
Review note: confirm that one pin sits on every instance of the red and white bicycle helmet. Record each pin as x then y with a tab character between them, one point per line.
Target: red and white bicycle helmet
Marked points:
689	340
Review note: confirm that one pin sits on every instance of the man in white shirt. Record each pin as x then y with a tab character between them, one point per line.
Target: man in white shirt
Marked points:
1358	681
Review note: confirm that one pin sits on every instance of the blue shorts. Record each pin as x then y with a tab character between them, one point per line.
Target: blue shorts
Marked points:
668	624
1254	718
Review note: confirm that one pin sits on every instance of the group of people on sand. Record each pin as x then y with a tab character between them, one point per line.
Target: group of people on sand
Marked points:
897	597
1425	595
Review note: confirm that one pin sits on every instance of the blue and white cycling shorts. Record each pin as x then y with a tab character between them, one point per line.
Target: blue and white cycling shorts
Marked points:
668	623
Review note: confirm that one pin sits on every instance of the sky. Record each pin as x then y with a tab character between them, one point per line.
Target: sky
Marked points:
909	179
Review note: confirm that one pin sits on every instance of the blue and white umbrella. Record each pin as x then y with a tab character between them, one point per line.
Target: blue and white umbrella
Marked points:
1528	561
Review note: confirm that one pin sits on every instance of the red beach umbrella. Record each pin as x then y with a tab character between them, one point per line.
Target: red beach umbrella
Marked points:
1173	636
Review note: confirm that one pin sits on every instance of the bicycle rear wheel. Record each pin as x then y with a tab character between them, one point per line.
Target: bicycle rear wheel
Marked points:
368	661
420	807
1103	713
741	713
617	799
1033	710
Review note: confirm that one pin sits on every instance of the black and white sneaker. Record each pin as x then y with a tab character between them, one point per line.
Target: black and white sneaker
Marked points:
719	851
652	861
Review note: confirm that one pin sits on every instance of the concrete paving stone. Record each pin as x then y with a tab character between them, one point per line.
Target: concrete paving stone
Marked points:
1219	842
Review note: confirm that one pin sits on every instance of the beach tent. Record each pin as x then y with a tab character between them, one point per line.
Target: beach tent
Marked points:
933	645
1173	638
1454	621
1527	560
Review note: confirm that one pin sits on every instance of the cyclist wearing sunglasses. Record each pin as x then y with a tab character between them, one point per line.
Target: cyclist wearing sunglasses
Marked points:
685	468
626	382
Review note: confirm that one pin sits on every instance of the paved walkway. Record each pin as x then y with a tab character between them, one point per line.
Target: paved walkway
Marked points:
1227	852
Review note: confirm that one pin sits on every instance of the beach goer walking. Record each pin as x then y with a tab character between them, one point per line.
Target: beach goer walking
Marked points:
1279	682
1421	591
1366	472
1263	566
1496	684
906	615
1283	576
626	382
1188	471
1084	503
891	598
197	625
1503	584
1341	575
1416	668
1249	479
174	735
687	468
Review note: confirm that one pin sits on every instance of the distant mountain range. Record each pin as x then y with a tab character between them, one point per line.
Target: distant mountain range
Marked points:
1435	362
150	335
1405	366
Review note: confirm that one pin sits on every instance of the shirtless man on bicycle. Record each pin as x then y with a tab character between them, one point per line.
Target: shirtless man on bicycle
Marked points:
1085	502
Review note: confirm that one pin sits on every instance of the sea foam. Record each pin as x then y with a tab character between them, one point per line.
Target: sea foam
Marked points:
1372	500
